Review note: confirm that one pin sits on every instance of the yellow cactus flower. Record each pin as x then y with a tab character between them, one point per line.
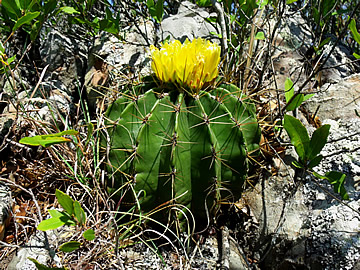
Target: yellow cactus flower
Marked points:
190	64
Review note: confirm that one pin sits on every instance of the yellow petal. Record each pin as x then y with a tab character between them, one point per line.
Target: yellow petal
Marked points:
190	64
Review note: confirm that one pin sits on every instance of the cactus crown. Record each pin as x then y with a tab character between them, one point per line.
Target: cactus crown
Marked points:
186	148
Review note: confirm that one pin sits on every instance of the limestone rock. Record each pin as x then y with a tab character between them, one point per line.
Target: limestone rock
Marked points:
41	248
334	242
113	56
337	101
66	59
280	213
189	23
294	56
306	226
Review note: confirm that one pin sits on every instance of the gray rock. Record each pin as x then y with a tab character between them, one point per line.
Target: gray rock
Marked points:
11	85
203	257
55	49
40	247
131	53
307	229
189	23
334	242
295	31
337	101
52	109
293	58
306	226
66	57
111	56
279	211
339	64
336	105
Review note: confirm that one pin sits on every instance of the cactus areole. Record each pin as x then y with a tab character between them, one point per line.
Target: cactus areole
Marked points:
176	144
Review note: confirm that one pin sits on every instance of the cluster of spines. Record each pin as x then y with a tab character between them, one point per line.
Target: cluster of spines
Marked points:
135	123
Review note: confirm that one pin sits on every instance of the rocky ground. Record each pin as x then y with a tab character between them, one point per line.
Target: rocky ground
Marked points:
281	223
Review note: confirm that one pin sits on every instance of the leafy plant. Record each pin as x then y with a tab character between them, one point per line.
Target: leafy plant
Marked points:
5	60
356	35
30	15
48	139
73	215
309	150
292	101
330	18
156	9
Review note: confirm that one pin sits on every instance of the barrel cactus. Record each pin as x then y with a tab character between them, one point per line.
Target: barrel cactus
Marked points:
176	140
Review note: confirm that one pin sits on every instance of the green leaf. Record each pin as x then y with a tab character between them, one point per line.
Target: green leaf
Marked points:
318	141
326	6
289	93
354	31
214	19
316	15
156	10
50	6
65	132
324	42
25	19
65	201
2	48
288	2
35	29
69	10
70	246
43	140
79	213
50	224
40	266
215	34
55	213
297	164
315	161
296	102
262	3
89	235
11	59
24	4
49	139
203	3
357	56
306	97
289	89
319	176
68	220
298	136
108	26
337	179
108	13
11	8
29	5
260	36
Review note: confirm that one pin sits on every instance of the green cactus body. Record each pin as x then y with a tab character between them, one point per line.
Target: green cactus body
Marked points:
182	149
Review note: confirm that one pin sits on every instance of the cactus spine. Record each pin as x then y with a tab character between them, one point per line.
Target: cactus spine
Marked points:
182	148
